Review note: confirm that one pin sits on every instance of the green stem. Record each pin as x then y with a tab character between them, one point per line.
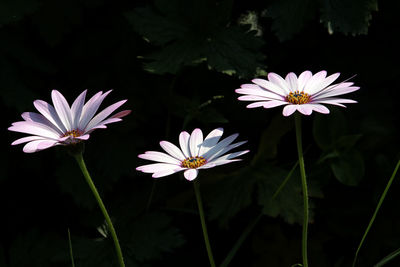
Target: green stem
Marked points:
376	211
71	254
203	223
82	165
304	186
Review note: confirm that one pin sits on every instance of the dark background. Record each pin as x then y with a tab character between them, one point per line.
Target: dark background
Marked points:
178	63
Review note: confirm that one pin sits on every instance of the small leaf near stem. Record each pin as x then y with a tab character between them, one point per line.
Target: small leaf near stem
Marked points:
304	186
203	222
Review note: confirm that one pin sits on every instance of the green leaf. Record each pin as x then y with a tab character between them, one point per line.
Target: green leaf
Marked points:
290	16
239	189
349	167
188	34
348	17
152	235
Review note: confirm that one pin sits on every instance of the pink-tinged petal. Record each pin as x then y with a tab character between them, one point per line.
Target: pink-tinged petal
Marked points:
159	157
314	81
289	110
121	114
274	103
208	165
291	79
76	109
278	80
83	137
267	85
257	104
165	173
157	167
305	109
191	174
34	128
252	98
39	118
335	101
336	92
211	140
38	145
62	108
224	150
104	114
319	108
229	157
184	143
49	113
90	108
196	138
260	92
224	142
303	79
323	84
26	139
172	150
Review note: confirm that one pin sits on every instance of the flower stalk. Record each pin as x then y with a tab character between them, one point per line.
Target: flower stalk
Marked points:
304	187
203	223
82	165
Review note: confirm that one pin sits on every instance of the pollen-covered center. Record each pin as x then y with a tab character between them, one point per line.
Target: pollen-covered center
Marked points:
297	97
73	133
194	162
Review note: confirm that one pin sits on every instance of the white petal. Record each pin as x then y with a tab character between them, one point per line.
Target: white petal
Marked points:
165	173
303	79
62	109
215	149
224	150
291	79
211	140
267	85
191	174
172	150
26	139
39	118
90	108
289	110
34	128
184	143
196	138
278	80
157	167
49	113
305	109
260	92
104	114
38	145
323	84
314	81
76	109
159	157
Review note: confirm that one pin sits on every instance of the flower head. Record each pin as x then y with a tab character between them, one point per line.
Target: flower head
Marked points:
62	124
304	93
194	154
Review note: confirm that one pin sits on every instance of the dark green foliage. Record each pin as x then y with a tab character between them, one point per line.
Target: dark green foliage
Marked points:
170	60
189	33
348	17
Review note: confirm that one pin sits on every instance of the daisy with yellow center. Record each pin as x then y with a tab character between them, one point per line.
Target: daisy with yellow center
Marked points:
194	154
61	124
305	93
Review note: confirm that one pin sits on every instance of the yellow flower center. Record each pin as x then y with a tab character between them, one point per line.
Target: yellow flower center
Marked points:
298	97
73	133
193	162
